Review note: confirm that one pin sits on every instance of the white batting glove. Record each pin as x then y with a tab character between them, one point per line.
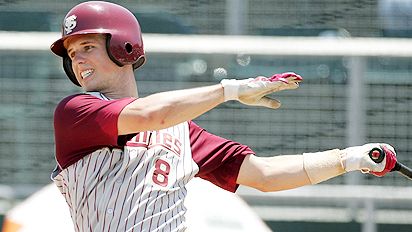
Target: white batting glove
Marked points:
253	91
357	158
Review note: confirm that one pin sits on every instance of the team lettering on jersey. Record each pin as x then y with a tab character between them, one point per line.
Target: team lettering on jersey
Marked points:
151	139
165	148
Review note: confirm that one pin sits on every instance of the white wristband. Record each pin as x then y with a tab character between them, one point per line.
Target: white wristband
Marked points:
321	166
230	89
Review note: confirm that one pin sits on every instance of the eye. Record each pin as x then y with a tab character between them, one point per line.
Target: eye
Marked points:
88	47
71	55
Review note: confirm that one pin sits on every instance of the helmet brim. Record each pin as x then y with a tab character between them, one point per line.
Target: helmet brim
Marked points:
58	46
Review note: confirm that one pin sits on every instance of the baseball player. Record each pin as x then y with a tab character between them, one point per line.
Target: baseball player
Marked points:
124	161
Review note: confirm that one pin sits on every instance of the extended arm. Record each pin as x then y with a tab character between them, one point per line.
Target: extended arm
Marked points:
292	171
166	109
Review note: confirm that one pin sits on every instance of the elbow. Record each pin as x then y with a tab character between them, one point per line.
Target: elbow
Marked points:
257	173
270	185
270	181
263	189
266	186
265	182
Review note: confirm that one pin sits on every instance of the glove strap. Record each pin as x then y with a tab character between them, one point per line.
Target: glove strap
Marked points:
230	89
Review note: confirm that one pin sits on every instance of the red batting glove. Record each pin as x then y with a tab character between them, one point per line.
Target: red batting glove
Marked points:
390	157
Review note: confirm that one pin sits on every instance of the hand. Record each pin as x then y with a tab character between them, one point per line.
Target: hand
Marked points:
357	158
390	159
253	91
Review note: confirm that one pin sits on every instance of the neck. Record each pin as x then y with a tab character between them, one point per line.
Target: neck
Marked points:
129	90
125	86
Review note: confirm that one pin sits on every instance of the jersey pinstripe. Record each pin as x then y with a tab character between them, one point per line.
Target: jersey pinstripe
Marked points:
134	182
138	189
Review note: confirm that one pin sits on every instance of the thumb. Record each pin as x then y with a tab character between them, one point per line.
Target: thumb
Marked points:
269	102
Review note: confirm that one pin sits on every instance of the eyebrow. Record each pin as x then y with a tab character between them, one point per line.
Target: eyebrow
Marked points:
82	43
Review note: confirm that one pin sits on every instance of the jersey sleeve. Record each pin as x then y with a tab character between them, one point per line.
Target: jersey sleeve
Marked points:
84	123
219	159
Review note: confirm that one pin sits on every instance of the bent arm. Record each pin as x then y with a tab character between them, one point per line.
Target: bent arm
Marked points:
166	109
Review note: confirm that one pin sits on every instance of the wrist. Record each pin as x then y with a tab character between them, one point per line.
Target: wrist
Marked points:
230	89
350	162
321	166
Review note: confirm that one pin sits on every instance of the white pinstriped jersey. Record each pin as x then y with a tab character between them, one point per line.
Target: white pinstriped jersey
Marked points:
140	189
138	184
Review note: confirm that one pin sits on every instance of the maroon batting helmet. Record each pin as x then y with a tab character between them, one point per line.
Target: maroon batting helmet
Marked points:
124	38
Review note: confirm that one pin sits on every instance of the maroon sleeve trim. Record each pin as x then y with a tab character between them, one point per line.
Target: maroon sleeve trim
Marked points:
219	159
84	123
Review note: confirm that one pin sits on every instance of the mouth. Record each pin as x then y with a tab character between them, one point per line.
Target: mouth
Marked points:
86	73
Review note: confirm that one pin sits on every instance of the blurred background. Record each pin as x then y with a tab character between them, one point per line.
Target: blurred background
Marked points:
346	98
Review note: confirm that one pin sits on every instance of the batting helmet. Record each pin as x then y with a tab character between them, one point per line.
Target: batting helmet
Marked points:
124	38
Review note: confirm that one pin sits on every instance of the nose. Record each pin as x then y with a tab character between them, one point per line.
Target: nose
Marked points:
78	58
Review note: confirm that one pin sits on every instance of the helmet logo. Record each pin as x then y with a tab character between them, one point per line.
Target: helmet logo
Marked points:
70	23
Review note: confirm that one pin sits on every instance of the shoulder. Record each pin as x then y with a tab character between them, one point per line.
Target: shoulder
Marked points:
76	99
67	109
72	104
87	103
80	101
73	99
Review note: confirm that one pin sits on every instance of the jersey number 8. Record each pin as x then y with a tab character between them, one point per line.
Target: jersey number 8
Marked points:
161	172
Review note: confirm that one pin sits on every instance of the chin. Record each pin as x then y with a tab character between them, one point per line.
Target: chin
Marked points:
88	88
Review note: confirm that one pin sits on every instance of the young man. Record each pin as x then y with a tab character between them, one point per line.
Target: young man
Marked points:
124	161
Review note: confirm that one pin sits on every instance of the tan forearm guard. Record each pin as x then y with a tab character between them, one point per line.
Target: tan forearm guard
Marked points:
321	166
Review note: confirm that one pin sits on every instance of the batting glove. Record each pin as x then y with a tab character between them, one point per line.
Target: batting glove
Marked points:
357	158
253	91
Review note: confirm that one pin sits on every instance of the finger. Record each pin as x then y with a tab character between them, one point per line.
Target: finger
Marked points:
297	77
268	87
389	147
291	85
269	103
293	79
279	86
294	86
288	80
281	79
289	76
294	76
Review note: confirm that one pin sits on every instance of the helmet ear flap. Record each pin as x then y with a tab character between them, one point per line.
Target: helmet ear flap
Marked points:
67	66
109	53
139	62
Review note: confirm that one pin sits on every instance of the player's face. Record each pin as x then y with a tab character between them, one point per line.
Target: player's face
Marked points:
93	68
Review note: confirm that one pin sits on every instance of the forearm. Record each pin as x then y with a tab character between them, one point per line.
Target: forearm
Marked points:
270	174
290	171
286	172
166	109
